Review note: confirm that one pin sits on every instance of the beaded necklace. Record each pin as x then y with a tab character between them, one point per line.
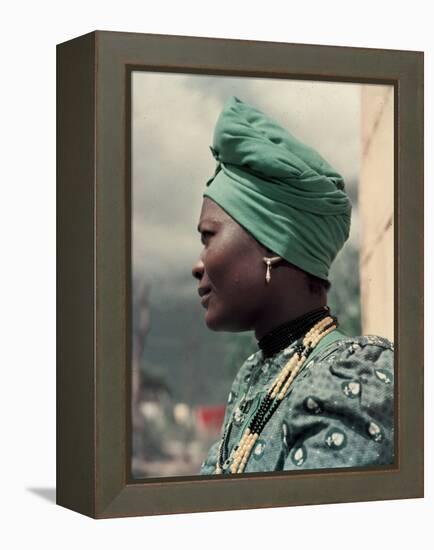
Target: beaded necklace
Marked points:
272	399
284	335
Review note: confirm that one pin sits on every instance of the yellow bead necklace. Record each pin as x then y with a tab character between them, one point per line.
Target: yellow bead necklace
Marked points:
275	394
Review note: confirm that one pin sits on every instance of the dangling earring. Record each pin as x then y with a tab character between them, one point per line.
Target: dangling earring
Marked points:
270	262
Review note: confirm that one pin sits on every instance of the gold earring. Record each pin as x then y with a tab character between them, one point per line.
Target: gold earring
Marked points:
270	262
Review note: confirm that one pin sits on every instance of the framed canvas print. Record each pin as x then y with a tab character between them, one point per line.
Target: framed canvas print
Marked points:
240	274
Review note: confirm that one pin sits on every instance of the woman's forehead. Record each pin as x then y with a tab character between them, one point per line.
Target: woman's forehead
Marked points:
212	213
214	217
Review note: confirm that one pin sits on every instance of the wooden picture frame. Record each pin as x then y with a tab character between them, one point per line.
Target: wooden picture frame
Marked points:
94	263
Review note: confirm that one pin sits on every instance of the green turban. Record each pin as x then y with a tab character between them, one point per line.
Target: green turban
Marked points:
280	190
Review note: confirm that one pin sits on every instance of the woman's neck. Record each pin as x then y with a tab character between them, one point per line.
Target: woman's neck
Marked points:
279	313
286	333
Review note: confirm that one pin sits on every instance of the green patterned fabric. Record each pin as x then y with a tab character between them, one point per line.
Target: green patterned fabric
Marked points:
279	189
337	414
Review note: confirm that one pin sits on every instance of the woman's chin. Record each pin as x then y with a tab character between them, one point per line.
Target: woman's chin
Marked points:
219	323
211	321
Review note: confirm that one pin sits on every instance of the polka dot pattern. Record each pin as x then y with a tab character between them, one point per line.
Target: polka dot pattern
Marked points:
338	412
335	439
298	456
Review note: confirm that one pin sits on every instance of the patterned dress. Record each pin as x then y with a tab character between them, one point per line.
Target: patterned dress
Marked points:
337	413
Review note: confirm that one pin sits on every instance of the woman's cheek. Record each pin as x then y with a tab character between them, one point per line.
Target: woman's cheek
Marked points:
215	264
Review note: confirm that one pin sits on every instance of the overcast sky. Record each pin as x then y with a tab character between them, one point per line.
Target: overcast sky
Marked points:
173	121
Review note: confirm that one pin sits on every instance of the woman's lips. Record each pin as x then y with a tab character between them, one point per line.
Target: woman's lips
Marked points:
205	299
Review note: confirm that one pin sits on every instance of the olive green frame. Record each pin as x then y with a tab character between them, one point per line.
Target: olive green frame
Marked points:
93	280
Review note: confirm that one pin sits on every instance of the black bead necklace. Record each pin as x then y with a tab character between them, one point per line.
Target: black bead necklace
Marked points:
274	396
284	335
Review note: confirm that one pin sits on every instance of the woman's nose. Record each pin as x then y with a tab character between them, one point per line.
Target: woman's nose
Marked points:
198	270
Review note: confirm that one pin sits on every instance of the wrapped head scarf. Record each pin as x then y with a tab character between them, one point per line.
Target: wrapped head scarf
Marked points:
280	190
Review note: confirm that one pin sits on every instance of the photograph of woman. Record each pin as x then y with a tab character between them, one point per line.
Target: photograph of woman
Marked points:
268	346
274	217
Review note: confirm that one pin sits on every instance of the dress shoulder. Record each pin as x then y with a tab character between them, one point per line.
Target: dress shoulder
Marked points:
340	409
354	356
363	344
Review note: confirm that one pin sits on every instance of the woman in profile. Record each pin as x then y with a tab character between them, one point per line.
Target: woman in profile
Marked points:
274	216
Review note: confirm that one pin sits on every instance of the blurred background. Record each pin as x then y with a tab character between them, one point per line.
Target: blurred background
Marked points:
182	372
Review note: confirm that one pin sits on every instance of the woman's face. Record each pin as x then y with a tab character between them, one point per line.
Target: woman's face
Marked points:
230	270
